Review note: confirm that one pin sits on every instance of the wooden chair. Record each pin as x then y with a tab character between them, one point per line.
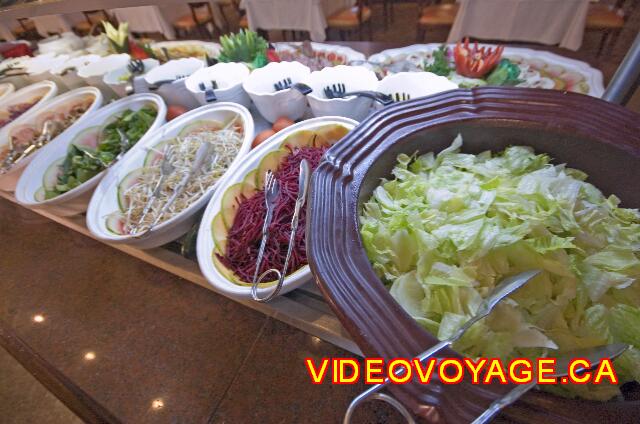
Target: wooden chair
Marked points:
201	16
93	22
387	12
26	30
352	18
608	19
435	15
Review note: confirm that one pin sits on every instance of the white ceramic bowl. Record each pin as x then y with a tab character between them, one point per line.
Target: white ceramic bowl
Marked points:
354	78
105	198
36	120
118	79
68	71
18	81
66	43
273	104
93	72
414	85
75	201
40	69
229	78
175	93
6	89
206	243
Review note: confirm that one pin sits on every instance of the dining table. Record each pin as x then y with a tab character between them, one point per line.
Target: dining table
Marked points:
551	22
298	15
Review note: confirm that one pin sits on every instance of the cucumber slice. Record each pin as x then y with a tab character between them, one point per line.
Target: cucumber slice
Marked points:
115	223
229	204
89	138
271	161
200	126
40	195
154	155
50	176
130	179
224	271
250	178
219	233
302	138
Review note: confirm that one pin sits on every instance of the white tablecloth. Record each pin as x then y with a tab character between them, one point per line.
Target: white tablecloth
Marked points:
145	19
299	15
542	21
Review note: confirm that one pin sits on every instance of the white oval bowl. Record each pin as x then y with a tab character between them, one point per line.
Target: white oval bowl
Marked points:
9	180
104	200
75	201
415	84
6	89
273	104
354	78
114	81
228	76
206	244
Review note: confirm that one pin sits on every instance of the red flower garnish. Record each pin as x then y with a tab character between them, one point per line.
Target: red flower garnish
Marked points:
272	56
475	62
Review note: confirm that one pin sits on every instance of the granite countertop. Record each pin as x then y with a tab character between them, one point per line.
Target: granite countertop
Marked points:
118	340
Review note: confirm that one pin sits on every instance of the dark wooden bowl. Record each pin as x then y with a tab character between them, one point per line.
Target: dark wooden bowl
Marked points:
587	133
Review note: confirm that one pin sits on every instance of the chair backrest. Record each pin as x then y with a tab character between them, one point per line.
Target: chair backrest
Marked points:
197	6
360	4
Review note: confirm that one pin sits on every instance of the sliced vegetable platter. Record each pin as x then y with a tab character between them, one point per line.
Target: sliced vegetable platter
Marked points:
538	68
107	212
247	180
40	187
330	54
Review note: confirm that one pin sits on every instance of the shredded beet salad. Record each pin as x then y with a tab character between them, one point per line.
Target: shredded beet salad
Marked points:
245	235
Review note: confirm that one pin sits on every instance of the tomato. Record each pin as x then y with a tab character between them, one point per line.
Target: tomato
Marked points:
282	123
475	62
262	136
174	111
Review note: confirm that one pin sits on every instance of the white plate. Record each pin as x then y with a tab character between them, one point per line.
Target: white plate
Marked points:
75	201
9	180
105	198
343	55
206	244
592	77
213	49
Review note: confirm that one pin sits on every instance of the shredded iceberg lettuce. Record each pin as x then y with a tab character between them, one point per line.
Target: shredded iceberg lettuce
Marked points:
448	227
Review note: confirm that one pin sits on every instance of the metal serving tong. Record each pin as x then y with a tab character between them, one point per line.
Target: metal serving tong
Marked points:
271	193
338	91
594	355
166	169
501	291
209	95
44	138
288	83
201	154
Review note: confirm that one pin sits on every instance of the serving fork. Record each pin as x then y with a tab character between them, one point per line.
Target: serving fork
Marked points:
501	291
338	91
271	193
303	187
594	355
158	84
288	83
401	97
209	95
166	169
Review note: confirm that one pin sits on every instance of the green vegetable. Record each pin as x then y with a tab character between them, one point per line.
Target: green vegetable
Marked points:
448	227
440	64
79	166
506	73
245	46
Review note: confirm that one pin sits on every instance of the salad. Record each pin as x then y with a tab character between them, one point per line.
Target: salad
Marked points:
139	208
93	150
448	227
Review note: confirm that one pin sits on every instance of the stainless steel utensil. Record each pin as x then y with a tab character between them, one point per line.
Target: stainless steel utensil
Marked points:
166	169
287	83
209	95
125	144
156	85
338	91
303	188
502	290
44	138
594	355
271	193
